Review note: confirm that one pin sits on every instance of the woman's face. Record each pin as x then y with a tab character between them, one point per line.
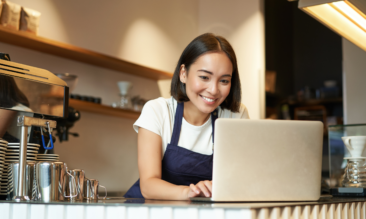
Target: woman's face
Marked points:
208	81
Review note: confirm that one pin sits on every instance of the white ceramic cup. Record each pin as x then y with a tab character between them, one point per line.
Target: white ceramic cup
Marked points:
355	145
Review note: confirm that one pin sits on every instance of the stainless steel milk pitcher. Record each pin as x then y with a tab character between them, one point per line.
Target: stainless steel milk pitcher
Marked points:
28	186
51	181
91	189
79	176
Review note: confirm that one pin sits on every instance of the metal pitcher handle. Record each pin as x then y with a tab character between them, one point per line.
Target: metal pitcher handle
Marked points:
77	192
86	187
105	189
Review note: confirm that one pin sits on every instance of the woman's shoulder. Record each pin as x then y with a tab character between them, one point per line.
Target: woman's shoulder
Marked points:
154	115
242	114
161	106
161	103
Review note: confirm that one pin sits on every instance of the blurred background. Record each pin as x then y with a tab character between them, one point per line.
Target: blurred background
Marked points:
291	67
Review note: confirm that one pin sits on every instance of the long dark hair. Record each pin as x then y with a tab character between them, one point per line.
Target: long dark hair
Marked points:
202	44
10	95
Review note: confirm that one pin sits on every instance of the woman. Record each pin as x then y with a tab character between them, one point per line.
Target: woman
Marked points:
175	135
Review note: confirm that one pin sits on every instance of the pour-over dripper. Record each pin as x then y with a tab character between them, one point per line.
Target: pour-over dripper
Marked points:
124	88
355	145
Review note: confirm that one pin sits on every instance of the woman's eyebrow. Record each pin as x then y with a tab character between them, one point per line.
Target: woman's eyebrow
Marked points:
208	72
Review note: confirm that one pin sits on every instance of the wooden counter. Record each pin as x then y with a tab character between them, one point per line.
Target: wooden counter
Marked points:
150	209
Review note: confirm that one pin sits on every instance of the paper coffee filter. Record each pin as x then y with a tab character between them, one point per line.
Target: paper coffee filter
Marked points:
124	87
355	145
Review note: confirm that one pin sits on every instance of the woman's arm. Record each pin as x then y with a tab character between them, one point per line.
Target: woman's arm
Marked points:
149	163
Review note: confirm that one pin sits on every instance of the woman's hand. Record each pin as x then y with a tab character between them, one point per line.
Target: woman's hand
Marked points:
201	189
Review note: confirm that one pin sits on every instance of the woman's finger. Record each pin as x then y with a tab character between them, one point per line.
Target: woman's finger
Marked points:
208	184
195	189
202	186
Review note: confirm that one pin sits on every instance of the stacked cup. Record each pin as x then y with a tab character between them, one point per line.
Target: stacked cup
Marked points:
47	157
3	177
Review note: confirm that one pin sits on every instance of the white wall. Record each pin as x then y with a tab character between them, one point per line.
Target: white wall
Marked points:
354	83
242	24
132	30
150	33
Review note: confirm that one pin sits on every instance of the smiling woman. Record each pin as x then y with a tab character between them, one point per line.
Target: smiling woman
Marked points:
207	86
209	44
175	135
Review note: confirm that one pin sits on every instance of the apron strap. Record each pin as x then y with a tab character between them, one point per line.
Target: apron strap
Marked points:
178	123
214	116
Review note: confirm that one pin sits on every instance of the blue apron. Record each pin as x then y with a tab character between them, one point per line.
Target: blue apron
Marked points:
181	166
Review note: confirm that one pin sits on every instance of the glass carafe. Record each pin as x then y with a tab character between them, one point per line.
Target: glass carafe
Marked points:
124	88
125	102
355	173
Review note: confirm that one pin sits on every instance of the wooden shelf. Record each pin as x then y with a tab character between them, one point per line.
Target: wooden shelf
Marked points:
317	101
41	44
102	109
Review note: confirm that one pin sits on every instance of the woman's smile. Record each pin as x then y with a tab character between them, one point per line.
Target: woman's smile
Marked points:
208	100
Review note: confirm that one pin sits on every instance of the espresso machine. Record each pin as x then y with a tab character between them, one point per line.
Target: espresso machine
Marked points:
31	99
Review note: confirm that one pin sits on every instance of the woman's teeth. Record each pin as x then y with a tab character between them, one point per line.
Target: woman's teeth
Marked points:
208	99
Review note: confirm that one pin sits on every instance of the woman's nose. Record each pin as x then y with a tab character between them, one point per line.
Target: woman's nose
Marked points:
213	88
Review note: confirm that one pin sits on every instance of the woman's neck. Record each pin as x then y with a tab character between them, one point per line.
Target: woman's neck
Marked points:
193	115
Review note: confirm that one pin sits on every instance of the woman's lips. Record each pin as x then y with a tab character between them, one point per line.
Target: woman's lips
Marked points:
208	100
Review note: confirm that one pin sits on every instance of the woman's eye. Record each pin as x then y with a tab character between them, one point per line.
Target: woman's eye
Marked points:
204	77
225	81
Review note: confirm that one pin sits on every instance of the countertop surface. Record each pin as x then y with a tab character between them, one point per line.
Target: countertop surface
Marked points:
165	203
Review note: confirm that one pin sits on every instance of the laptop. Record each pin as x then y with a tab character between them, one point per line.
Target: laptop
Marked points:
266	160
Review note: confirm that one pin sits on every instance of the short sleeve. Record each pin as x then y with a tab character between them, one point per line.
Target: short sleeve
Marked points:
244	114
152	116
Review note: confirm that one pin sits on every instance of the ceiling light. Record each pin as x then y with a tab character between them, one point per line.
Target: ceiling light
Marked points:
345	17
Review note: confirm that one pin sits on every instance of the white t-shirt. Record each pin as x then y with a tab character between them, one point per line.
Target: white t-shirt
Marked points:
158	116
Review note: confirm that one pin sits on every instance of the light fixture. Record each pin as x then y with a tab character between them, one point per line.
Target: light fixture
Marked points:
345	17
